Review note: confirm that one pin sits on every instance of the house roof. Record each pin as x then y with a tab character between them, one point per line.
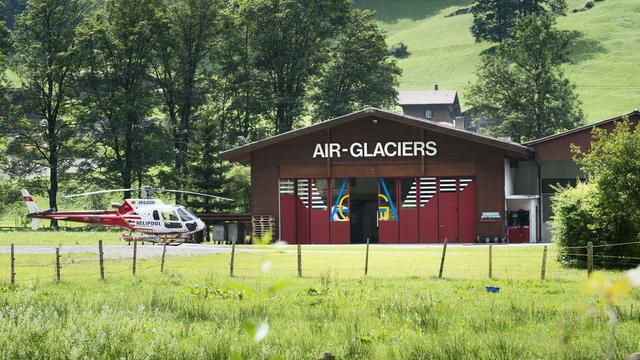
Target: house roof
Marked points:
242	154
433	97
634	113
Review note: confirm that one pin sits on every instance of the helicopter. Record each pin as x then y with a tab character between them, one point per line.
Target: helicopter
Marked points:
155	220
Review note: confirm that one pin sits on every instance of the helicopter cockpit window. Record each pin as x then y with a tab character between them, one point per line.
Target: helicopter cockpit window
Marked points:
170	216
184	215
156	215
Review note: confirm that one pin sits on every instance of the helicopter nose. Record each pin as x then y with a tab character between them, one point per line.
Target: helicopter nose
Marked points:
200	226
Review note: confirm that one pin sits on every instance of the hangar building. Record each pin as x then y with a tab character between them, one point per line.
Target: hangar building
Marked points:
398	178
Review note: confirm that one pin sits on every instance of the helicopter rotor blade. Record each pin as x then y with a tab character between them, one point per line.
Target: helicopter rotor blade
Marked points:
194	193
99	192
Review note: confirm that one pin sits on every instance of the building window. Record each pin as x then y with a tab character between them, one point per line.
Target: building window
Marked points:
428	113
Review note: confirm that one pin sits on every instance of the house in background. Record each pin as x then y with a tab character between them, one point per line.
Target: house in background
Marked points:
441	106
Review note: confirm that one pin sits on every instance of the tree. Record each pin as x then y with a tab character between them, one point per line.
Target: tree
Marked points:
290	39
523	86
360	73
48	58
188	33
118	91
494	20
606	210
613	163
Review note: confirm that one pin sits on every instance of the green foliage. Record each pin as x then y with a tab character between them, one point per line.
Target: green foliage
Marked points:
47	58
495	20
613	164
605	211
289	40
400	51
187	34
522	86
9	195
117	95
359	73
12	8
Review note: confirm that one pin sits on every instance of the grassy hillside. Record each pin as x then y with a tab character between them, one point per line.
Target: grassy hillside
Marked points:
606	50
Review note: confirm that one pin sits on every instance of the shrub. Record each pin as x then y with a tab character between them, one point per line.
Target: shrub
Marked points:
400	51
579	217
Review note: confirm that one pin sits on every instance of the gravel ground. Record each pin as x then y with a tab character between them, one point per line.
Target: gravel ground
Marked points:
150	250
125	251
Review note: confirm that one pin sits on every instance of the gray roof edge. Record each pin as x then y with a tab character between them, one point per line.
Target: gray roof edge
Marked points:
579	128
372	110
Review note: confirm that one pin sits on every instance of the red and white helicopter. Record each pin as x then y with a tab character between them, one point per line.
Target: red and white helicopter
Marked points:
153	218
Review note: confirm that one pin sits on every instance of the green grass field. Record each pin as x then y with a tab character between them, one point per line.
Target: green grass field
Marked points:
401	310
606	66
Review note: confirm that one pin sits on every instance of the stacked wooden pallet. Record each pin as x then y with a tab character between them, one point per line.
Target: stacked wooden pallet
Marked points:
262	225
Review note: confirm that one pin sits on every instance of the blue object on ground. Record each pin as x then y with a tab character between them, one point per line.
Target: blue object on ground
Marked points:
492	289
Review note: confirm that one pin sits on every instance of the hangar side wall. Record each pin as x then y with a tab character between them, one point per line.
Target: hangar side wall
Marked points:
455	157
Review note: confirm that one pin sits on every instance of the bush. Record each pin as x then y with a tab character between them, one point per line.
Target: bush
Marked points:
579	218
400	51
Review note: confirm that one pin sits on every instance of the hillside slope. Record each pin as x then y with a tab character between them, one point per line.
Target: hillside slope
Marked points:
606	51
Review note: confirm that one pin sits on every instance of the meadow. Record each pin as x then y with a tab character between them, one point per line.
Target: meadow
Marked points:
605	49
400	310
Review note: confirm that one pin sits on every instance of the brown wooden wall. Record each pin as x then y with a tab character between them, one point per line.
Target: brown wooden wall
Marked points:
456	157
559	148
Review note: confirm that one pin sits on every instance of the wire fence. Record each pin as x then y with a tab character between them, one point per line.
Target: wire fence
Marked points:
478	262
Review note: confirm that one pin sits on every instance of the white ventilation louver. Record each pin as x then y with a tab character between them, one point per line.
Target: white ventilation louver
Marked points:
286	187
427	190
464	182
316	199
448	185
303	191
410	199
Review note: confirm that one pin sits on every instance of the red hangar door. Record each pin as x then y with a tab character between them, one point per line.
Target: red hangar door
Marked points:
410	210
457	209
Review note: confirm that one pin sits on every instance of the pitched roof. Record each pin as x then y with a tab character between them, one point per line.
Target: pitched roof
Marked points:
243	153
432	97
581	128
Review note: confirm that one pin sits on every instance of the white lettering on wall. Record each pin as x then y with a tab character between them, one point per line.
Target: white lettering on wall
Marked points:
388	149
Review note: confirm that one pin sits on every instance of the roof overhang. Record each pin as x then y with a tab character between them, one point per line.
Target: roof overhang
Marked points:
242	154
580	128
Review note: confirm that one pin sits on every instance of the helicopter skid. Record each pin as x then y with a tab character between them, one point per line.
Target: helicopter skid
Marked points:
171	240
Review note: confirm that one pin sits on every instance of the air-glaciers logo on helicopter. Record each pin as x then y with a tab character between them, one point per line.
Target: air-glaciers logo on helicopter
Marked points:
147	223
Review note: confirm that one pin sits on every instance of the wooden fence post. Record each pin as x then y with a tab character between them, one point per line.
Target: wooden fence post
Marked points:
101	256
233	256
135	254
544	263
366	260
444	252
490	261
589	258
13	267
58	264
164	251
299	260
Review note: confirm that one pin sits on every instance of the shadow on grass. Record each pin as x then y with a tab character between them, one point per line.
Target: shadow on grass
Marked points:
392	11
582	48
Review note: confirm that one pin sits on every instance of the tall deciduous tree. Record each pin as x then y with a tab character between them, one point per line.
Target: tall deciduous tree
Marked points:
494	20
290	39
360	72
48	58
119	93
188	34
522	85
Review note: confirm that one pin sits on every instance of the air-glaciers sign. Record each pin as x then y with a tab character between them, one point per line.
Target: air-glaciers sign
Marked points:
368	150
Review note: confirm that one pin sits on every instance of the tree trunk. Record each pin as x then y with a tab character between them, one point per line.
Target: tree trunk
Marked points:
128	156
53	168
53	184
